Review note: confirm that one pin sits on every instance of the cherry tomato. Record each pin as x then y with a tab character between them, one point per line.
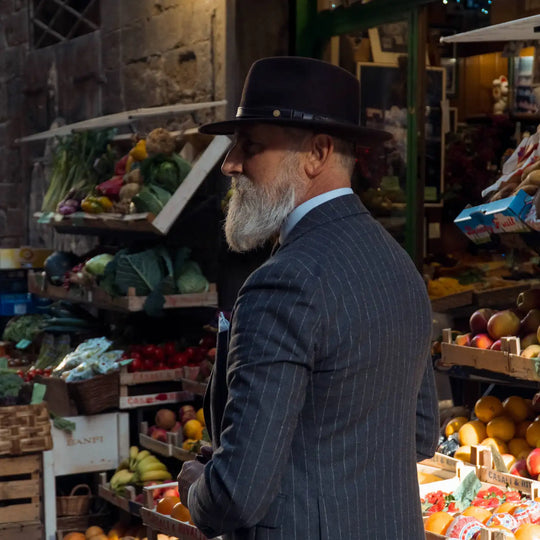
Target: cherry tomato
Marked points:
47	372
149	351
159	354
20	373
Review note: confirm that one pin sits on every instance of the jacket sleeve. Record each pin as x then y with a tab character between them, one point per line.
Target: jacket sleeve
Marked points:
269	361
427	415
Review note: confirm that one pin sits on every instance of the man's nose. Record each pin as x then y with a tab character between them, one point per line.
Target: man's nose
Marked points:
232	164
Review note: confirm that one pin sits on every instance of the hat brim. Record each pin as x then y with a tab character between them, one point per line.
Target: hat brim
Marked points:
366	137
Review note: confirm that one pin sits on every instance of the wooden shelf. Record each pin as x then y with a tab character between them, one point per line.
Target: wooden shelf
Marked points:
142	377
452	301
196	387
172	527
38	285
146	400
127	504
204	162
507	362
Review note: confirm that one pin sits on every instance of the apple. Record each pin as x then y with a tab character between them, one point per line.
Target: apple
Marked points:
177	427
463	339
159	434
503	323
481	341
479	319
533	462
496	346
519	468
186	412
170	492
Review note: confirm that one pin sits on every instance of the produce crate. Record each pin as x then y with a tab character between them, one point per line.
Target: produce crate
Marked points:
21	497
161	523
24	429
96	395
507	361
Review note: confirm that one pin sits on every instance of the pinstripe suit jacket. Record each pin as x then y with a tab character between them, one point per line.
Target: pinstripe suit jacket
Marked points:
327	398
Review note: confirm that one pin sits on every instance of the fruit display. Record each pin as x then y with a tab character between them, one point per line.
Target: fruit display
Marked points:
118	531
510	427
139	468
487	326
188	426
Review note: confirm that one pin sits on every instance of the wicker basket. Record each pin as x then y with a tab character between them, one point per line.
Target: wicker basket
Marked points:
96	394
74	505
24	429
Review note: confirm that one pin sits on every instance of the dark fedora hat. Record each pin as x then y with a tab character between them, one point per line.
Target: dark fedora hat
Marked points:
301	92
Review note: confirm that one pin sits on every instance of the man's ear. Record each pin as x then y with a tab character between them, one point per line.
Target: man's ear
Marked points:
320	149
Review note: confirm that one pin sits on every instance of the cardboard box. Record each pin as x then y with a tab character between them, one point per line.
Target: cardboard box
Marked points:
99	443
478	223
23	257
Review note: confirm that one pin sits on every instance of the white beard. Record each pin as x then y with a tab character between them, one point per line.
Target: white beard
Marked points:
255	213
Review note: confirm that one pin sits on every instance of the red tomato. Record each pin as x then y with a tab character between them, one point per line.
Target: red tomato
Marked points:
136	364
20	373
179	360
159	354
149	351
208	341
47	372
149	364
169	348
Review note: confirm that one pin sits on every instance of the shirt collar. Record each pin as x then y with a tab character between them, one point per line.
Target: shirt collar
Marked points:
301	210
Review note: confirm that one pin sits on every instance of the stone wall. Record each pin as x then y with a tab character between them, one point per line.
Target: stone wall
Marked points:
146	53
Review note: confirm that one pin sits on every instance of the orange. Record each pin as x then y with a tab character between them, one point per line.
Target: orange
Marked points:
193	429
533	433
438	522
519	447
481	514
527	531
200	417
472	433
463	453
180	512
166	504
499	444
487	408
516	408
501	427
521	428
454	425
505	507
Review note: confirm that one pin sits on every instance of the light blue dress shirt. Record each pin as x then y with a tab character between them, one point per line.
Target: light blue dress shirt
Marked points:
300	211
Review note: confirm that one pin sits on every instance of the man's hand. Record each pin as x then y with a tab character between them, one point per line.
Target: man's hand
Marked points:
191	470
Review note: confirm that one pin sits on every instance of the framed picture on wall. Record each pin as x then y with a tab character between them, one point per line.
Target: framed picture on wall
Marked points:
388	42
383	105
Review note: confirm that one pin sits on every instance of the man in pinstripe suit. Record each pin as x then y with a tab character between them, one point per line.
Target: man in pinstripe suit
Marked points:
326	397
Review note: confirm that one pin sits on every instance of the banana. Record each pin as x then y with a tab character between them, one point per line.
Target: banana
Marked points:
148	459
124	464
121	478
133	453
152	466
141	455
155	475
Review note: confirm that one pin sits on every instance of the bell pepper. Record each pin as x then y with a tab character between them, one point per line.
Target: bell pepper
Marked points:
96	205
138	152
111	187
120	166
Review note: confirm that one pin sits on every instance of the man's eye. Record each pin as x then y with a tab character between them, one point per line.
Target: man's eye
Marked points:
250	148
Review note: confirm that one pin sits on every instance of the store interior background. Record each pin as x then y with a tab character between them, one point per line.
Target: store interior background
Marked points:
146	54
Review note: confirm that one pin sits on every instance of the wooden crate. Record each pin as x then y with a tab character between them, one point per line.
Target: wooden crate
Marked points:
20	489
24	530
24	429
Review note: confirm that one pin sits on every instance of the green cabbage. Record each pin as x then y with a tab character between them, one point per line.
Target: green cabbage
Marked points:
96	265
